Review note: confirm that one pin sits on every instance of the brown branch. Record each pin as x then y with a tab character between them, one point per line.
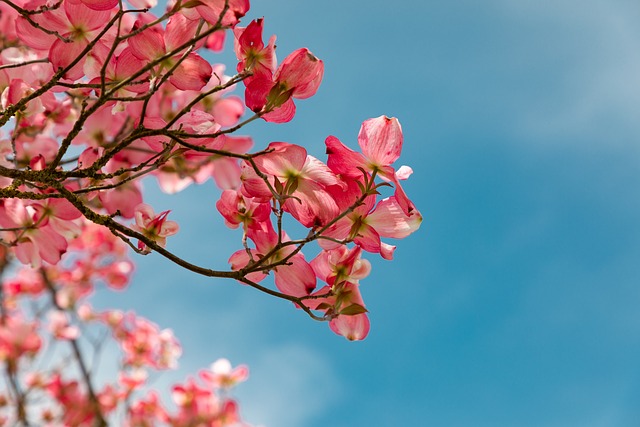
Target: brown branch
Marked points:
20	397
22	64
86	376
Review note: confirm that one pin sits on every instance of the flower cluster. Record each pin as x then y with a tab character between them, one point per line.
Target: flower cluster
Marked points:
338	202
64	323
97	95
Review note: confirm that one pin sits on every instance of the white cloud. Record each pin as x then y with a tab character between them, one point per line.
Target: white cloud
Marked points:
589	56
289	386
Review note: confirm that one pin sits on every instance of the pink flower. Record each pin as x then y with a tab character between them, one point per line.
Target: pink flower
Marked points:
304	179
365	225
226	110
119	67
346	309
353	328
18	338
142	341
123	199
197	405
381	142
76	407
299	76
252	54
193	72
341	264
223	375
37	241
295	277
133	379
210	11
147	411
59	326
238	209
15	92
155	227
73	21
195	166
26	282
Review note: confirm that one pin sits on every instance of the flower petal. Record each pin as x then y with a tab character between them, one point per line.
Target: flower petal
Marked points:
381	140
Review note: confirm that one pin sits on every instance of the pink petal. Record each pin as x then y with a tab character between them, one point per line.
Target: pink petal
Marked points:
58	19
236	144
169	228
212	9
63	209
264	236
192	74
338	231
27	253
386	251
255	94
240	259
389	220
318	172
127	65
381	140
346	194
353	328
124	199
302	72
403	200
100	4
215	41
228	111
253	185
311	205
95	60
91	15
32	36
343	160
368	239
226	173
143	4
179	31
63	54
321	265
149	44
249	38
297	279
50	244
407	206
281	114
227	205
404	172
283	160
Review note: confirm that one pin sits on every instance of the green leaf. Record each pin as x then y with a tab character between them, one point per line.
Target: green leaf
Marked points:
292	186
192	3
353	309
323	306
342	296
383	184
277	185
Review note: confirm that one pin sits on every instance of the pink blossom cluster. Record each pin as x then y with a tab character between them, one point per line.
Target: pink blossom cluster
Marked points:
96	95
63	321
338	202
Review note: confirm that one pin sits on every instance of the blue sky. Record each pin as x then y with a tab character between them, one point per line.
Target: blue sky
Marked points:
516	304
